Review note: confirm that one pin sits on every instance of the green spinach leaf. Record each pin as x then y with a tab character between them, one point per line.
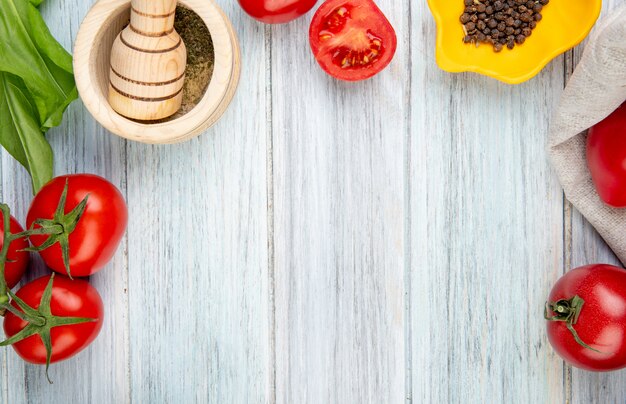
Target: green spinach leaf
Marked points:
19	130
37	83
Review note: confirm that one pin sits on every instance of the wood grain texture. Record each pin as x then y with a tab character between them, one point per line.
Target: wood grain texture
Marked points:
98	374
198	281
339	224
587	247
486	231
197	325
380	242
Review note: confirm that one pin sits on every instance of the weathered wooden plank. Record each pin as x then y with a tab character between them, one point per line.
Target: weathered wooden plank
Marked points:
465	203
587	247
100	373
338	153
198	280
485	232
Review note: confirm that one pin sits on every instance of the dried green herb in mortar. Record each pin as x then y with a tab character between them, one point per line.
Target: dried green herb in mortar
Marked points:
200	57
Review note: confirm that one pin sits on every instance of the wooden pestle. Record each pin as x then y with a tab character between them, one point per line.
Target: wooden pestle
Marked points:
148	61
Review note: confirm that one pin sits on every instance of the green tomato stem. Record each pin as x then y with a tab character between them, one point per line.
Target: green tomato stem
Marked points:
568	311
18	313
6	217
5	301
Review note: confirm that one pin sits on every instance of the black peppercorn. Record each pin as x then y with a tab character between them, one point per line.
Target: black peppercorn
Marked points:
500	22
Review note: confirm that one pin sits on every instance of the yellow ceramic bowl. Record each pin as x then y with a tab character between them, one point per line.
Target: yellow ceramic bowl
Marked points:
565	24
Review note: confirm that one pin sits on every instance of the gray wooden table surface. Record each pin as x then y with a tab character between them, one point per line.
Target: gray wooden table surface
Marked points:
379	242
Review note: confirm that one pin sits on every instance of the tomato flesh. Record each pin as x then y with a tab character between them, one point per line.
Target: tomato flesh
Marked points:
352	40
276	11
602	320
17	259
69	299
100	228
606	157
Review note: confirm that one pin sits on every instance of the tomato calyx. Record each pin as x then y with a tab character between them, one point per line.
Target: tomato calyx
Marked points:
40	321
60	227
568	312
7	240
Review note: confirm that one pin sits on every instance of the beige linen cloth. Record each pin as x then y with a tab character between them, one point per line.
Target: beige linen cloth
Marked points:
597	88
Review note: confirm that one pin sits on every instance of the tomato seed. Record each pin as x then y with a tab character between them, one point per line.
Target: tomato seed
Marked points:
325	37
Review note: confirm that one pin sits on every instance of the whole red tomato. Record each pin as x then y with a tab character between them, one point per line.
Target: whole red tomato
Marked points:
586	310
70	298
352	39
276	11
17	260
606	157
98	232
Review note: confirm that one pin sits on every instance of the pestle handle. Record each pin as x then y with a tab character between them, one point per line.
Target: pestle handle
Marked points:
148	61
154	7
153	17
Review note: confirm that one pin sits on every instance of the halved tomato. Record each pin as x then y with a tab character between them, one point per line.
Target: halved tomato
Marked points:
352	39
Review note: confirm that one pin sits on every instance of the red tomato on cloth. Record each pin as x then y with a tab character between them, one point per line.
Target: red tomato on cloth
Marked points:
98	232
352	40
586	310
606	157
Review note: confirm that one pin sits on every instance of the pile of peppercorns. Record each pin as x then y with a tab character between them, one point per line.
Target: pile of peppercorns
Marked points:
500	22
